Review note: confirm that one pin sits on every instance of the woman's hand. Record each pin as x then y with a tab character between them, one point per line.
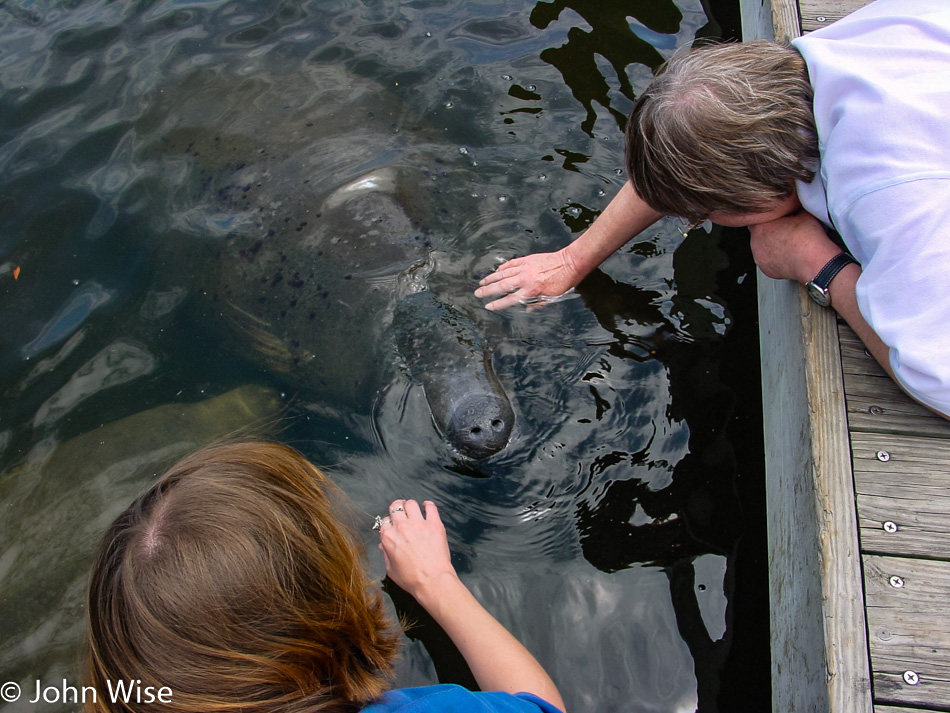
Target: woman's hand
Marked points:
417	559
529	279
547	276
416	550
794	247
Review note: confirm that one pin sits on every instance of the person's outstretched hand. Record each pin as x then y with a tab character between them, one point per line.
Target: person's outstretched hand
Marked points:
415	549
533	278
417	559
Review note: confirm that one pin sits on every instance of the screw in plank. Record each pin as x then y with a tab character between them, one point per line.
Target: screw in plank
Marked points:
911	678
876	410
883	456
896	582
821	19
890	526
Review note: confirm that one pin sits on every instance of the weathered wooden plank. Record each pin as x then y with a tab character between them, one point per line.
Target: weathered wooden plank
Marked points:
894	709
819	13
922	527
908	486
818	626
798	639
877	404
908	606
785	20
843	603
756	18
855	358
819	646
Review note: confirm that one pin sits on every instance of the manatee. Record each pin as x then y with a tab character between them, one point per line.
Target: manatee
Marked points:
445	352
314	298
290	201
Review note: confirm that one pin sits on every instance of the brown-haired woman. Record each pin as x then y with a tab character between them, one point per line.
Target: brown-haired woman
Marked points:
231	586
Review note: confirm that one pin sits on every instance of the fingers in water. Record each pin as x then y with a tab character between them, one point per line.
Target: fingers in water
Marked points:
502	286
505	269
490	278
502	303
548	299
517	297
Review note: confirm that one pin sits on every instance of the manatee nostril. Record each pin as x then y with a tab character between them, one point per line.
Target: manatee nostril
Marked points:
480	425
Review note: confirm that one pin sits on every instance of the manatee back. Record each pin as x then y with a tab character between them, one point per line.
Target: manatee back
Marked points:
311	296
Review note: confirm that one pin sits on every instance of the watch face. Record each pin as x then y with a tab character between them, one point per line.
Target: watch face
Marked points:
819	294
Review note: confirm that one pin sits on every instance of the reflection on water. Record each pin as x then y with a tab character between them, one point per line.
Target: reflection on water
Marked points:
630	32
187	266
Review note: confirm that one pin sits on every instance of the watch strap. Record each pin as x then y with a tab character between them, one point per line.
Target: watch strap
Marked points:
831	269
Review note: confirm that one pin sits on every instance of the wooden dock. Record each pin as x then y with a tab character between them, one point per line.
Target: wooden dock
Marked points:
858	479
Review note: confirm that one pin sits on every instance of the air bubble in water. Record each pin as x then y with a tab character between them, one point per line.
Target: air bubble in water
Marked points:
449	105
530	87
507	77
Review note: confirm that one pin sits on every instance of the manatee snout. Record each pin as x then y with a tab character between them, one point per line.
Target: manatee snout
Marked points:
480	424
445	353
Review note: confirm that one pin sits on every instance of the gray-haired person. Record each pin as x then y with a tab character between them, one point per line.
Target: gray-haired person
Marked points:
848	128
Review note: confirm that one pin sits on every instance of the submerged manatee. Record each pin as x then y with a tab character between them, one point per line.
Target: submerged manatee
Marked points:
314	298
444	351
302	275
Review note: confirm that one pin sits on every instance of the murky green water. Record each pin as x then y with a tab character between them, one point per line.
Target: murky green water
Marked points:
620	535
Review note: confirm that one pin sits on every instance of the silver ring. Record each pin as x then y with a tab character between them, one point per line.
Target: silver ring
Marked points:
377	523
398	508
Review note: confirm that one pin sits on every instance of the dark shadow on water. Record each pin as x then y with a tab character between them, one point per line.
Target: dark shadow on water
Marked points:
419	626
716	501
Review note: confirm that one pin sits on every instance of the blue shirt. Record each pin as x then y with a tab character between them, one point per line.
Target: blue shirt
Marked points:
455	699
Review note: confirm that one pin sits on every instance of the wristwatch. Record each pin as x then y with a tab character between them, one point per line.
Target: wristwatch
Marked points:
818	288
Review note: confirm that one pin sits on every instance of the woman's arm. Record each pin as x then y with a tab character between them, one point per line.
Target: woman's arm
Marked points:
796	248
417	558
844	299
541	275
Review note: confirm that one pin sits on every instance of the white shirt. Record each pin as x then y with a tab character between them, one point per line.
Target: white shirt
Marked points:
881	78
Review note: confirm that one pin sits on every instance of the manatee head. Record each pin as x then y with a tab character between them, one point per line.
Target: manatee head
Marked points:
479	425
446	354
